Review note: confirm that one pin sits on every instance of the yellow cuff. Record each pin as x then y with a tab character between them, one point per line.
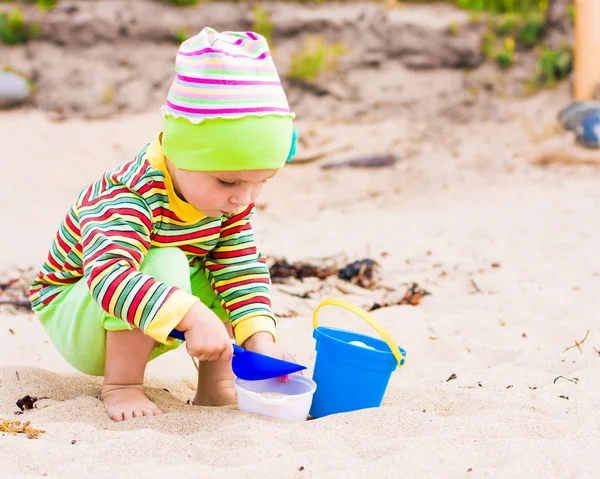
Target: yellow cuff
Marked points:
254	324
170	315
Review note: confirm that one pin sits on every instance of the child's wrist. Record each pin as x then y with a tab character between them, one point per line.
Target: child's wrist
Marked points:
189	319
258	338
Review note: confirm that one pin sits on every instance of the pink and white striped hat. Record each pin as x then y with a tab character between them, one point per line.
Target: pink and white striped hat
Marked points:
225	75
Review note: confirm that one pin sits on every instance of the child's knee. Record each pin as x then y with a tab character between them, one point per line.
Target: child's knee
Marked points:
169	266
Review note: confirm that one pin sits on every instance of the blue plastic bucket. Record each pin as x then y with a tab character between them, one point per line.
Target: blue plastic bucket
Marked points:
351	377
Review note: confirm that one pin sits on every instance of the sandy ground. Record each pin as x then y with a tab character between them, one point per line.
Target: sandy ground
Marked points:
463	198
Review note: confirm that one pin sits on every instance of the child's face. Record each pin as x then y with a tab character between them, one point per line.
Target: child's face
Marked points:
217	193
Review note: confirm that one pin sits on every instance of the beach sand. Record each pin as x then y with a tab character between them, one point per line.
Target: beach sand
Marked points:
507	250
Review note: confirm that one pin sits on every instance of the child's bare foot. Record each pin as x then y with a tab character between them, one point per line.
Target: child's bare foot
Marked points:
127	401
127	354
215	384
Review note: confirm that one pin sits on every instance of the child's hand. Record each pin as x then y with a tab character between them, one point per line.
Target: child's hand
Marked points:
263	343
206	337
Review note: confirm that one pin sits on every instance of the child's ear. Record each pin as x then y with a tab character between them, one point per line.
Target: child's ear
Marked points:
293	147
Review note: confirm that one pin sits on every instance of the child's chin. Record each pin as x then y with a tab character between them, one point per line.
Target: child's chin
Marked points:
211	212
217	213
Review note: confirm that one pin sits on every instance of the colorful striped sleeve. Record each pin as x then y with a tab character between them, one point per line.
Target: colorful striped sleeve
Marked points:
116	225
239	275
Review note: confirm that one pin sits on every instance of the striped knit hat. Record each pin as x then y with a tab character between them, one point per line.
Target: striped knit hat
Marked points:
226	109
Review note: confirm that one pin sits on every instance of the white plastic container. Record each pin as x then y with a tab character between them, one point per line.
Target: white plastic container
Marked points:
293	407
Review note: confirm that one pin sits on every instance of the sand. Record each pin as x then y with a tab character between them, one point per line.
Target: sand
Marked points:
507	249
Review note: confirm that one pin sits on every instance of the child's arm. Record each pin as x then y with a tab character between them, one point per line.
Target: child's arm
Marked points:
116	226
239	275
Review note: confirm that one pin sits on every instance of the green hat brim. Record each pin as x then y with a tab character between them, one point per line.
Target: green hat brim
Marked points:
248	143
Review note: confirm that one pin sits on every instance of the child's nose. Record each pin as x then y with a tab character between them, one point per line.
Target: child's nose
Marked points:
242	197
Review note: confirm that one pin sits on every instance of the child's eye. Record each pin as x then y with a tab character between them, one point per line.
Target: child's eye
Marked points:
226	184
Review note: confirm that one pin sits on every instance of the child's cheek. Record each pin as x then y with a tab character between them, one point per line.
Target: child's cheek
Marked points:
256	192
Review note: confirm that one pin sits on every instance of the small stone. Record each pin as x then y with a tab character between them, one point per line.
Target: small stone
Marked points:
14	89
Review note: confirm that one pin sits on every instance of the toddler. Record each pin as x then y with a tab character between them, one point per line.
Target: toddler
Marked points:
164	241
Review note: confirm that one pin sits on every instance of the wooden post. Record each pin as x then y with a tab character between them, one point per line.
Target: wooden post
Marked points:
587	49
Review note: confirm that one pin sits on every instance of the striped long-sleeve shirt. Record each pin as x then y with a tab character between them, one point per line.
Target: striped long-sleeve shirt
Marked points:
116	220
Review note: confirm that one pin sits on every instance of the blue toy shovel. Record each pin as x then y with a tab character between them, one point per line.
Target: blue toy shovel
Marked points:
252	366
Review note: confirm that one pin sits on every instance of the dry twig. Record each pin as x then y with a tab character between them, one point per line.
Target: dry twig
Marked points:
578	343
19	303
474	284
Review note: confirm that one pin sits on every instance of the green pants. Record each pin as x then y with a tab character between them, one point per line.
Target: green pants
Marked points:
77	324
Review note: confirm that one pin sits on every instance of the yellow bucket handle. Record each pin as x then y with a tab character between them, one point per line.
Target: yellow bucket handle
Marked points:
342	303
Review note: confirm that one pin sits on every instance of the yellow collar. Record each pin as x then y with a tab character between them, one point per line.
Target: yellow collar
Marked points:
186	212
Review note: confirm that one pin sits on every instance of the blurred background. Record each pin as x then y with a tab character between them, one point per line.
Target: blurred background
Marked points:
99	58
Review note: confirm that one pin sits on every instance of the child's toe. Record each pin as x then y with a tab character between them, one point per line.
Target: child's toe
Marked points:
128	414
151	412
116	415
